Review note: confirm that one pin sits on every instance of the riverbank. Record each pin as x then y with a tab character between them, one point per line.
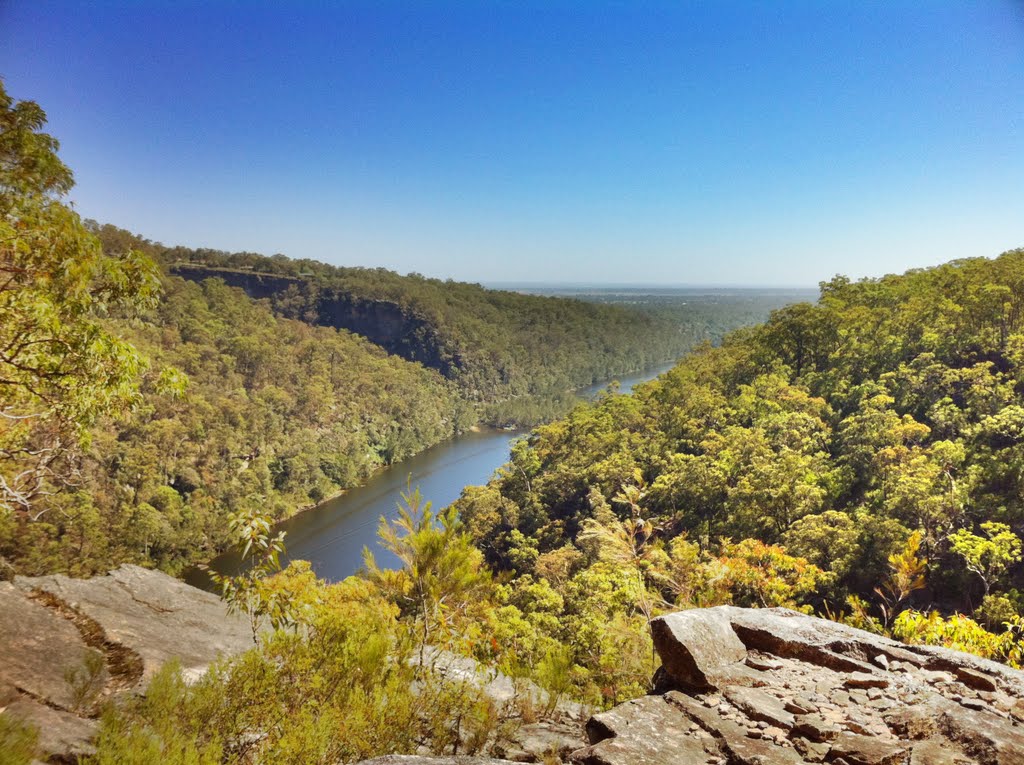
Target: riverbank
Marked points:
332	534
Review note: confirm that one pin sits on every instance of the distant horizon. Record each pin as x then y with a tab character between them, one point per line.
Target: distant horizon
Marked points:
731	142
525	284
636	286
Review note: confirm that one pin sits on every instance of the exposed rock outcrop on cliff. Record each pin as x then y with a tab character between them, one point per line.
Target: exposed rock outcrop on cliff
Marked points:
66	644
394	327
758	687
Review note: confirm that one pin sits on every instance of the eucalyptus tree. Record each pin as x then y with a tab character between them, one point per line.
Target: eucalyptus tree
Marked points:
60	369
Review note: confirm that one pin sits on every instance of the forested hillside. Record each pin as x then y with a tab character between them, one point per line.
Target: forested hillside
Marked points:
275	414
142	411
496	346
862	456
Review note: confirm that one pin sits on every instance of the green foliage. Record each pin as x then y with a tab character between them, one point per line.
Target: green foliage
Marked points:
906	575
988	556
17	741
342	689
162	726
762	575
60	366
519	355
277	415
962	634
514	356
86	680
865	450
250	592
997	610
441	578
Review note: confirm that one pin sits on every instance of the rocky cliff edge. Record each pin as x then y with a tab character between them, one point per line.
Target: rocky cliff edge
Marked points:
737	686
760	687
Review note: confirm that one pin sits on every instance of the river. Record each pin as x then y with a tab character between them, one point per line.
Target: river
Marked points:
332	535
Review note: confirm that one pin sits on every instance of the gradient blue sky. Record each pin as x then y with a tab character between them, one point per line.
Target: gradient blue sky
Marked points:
699	143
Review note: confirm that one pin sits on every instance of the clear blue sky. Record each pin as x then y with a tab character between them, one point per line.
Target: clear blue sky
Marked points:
701	143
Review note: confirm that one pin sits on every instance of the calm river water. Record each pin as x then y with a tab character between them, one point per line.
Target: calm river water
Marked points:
332	535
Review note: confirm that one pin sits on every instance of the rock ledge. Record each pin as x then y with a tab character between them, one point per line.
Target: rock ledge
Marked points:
124	626
760	687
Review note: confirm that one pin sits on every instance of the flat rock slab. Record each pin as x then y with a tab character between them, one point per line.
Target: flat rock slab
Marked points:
60	733
777	687
131	622
534	742
36	647
152	614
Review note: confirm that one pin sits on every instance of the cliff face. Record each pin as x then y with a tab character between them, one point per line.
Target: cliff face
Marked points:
255	285
396	329
388	325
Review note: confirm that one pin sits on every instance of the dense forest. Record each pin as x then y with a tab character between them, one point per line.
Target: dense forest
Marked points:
275	414
497	347
170	404
861	457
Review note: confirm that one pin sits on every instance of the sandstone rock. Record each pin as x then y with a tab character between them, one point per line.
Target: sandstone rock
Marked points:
800	706
535	741
697	647
973	671
933	753
810	750
1017	709
868	750
645	730
61	734
984	736
761	662
815	728
758	705
813	691
129	623
36	647
864	680
153	615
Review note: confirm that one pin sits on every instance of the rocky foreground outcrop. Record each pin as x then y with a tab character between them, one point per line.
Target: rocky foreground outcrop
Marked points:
759	687
67	644
737	686
775	687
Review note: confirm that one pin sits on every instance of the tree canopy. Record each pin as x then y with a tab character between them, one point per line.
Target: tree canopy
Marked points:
60	366
860	456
